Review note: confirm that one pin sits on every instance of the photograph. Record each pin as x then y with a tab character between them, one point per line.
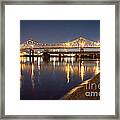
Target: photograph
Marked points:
59	60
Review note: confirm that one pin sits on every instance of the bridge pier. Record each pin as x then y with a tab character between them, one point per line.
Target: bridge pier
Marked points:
31	56
37	60
46	56
76	57
59	57
81	55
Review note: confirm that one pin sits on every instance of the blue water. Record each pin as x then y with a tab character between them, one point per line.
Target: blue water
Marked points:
52	80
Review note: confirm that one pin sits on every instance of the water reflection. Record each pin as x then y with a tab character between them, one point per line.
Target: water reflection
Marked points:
97	67
52	80
32	76
68	73
82	71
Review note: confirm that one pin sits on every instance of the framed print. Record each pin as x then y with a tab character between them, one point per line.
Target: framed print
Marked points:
60	59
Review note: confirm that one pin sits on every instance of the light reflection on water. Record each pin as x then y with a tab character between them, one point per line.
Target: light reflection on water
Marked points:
52	80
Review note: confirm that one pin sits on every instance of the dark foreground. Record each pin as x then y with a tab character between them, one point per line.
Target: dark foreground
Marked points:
53	80
88	90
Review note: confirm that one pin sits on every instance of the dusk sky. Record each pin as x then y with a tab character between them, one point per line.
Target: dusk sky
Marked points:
54	31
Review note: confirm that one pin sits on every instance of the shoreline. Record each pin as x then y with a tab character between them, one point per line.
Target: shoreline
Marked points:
88	90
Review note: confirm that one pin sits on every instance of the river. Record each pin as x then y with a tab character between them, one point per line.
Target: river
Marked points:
52	80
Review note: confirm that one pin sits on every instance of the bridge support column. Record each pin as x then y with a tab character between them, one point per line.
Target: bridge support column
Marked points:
59	57
37	60
76	57
30	56
46	56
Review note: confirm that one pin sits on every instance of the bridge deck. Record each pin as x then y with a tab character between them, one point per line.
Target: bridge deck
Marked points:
81	52
58	47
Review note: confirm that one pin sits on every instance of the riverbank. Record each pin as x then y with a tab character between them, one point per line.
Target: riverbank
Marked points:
88	90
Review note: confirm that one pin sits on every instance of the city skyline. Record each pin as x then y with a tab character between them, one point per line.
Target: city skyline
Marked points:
54	31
